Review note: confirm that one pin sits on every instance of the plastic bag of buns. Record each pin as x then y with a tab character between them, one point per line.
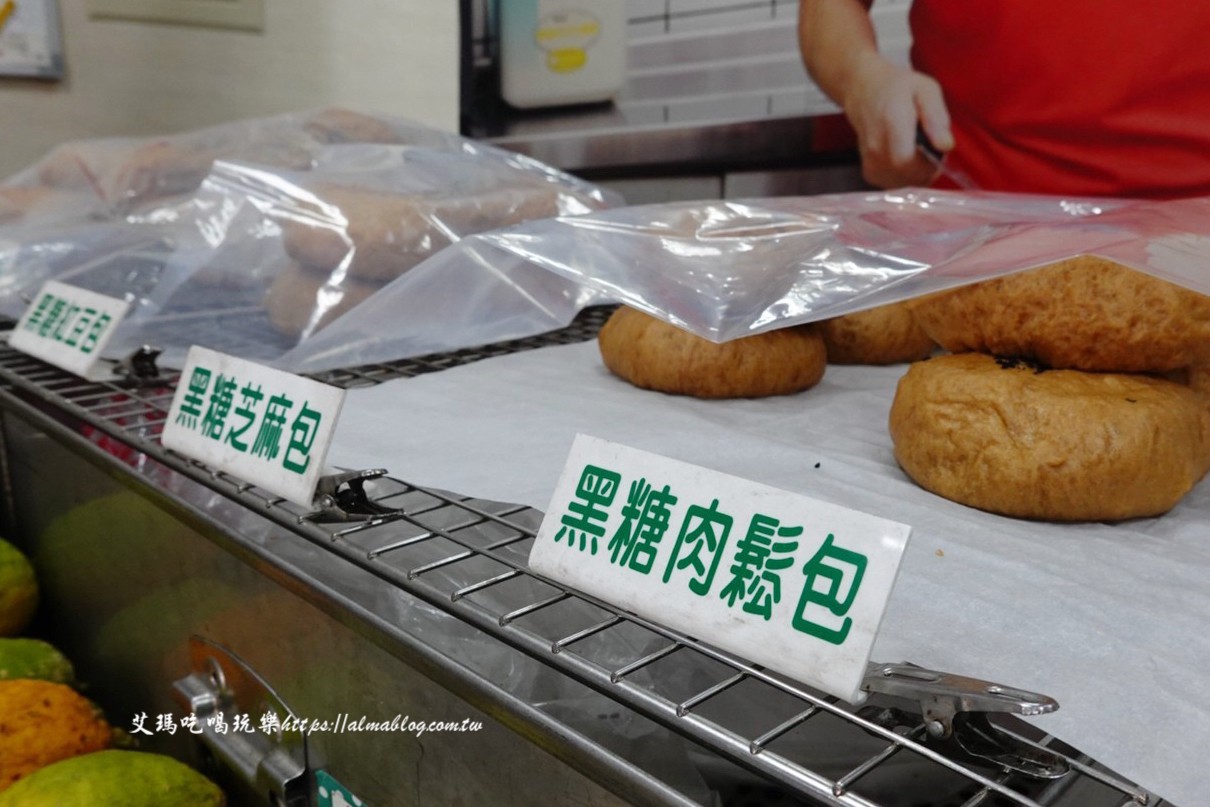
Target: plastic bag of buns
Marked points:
333	238
111	177
275	256
68	215
112	258
366	215
723	270
249	236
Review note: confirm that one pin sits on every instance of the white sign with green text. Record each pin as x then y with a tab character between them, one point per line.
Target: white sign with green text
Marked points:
68	327
794	584
266	426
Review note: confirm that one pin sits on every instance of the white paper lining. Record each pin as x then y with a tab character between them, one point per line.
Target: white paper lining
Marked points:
1107	619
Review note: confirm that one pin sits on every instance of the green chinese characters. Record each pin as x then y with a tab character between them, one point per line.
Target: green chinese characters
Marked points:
759	560
758	564
645	519
242	415
833	577
584	523
69	323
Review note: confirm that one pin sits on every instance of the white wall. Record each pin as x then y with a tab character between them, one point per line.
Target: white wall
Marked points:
130	78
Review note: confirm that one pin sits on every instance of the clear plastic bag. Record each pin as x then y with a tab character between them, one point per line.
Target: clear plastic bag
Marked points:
728	269
288	253
251	236
118	175
111	258
333	239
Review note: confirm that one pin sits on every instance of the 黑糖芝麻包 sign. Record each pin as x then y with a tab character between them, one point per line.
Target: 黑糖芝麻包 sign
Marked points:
263	425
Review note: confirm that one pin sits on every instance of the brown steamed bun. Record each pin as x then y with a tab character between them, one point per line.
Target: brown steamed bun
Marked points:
1086	313
337	125
303	300
377	235
652	354
1063	445
888	334
18	201
1198	378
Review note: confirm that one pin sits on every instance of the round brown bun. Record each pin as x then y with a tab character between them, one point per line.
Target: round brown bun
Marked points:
888	334
1199	379
17	201
1062	445
1086	313
652	354
301	300
377	235
336	125
1195	378
161	168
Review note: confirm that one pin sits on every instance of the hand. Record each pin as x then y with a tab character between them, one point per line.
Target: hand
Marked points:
885	103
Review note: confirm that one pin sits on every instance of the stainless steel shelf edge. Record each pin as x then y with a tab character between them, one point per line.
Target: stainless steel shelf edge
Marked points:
367	547
630	783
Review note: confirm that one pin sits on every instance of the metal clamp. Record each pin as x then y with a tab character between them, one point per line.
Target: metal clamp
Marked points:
342	497
140	367
222	689
957	706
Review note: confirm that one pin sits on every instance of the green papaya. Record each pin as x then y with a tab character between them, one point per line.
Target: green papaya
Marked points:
34	658
18	590
128	778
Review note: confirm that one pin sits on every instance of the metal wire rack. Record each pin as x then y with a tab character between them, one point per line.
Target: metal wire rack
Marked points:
583	328
467	557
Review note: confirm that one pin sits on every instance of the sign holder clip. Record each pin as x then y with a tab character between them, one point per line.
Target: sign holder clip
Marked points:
139	367
342	497
957	707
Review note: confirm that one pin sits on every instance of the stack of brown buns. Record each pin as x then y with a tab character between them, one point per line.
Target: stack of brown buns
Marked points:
887	334
652	354
19	201
352	241
337	125
1073	392
128	172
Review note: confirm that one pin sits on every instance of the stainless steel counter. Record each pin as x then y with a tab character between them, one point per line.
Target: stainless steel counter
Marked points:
603	149
427	610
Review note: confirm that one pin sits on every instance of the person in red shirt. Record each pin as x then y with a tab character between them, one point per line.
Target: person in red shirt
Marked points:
1079	97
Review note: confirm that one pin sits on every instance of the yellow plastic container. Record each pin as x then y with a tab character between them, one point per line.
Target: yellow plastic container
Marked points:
555	52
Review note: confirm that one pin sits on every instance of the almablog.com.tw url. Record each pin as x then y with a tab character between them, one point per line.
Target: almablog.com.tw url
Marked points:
270	723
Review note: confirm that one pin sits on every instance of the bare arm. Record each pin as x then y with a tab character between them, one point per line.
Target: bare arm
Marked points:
883	102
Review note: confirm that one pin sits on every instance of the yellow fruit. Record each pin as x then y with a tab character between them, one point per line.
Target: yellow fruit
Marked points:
126	778
18	590
43	722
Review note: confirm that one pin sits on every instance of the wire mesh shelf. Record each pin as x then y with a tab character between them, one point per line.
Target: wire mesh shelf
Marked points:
467	557
583	328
